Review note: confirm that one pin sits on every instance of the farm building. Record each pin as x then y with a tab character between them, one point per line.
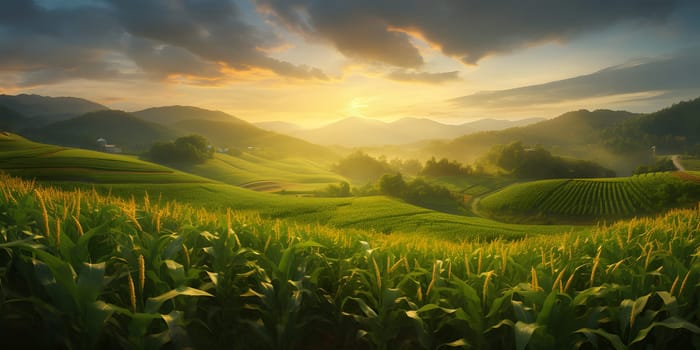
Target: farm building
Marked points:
103	146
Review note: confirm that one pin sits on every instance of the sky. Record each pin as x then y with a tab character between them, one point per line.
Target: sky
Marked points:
311	62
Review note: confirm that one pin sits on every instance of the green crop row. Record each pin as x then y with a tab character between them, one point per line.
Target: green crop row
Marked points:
79	270
593	199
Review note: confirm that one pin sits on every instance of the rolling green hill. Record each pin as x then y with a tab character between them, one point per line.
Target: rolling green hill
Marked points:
226	131
27	159
120	128
616	139
586	200
268	175
569	133
126	177
675	129
244	136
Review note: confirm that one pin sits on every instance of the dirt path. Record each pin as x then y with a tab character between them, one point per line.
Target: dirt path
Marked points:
677	162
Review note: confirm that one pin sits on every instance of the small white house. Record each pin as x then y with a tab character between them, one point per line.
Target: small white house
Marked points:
103	146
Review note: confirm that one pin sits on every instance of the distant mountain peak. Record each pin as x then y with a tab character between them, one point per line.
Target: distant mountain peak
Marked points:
358	131
168	115
49	109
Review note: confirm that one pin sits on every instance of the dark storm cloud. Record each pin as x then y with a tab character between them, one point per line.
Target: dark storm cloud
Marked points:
423	77
675	73
469	30
161	37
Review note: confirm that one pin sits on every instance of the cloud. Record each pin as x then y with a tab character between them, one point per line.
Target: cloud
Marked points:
674	73
375	30
423	77
207	39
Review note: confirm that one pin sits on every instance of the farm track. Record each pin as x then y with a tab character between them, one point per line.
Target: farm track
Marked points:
676	159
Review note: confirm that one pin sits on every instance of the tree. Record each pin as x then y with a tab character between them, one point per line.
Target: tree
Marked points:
392	185
342	189
538	163
444	167
186	149
360	166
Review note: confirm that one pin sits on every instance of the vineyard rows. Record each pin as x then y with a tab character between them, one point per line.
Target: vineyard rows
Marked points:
592	198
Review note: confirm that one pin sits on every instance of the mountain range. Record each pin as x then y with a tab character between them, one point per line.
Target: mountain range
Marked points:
41	110
360	132
619	140
135	132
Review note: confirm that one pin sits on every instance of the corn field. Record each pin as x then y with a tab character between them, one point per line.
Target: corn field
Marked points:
79	270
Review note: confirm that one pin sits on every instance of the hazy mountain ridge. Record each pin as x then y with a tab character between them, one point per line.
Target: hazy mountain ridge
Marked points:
245	136
278	126
620	140
617	139
11	120
137	131
43	109
358	132
169	115
576	134
117	127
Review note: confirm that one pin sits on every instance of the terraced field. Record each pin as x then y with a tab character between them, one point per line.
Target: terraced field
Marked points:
258	173
591	199
27	159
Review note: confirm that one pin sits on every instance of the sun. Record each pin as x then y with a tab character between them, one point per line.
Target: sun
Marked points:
357	106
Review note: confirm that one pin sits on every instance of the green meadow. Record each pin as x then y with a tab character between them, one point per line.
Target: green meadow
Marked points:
21	157
249	170
127	176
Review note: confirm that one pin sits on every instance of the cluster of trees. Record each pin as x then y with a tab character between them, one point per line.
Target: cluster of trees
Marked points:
187	149
408	166
342	189
675	129
538	163
661	165
416	191
444	167
363	167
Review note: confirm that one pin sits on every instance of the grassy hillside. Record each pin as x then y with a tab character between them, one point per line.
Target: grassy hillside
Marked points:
126	176
568	134
89	271
21	157
269	175
227	131
675	129
376	213
244	136
584	200
618	140
120	128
